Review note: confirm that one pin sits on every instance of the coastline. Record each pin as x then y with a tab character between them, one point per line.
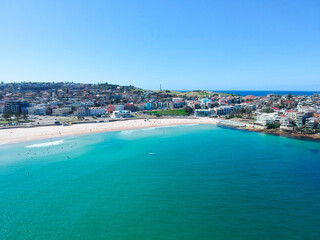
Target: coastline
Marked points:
17	135
301	136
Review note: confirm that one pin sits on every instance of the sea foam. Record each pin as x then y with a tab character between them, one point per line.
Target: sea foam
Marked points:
46	144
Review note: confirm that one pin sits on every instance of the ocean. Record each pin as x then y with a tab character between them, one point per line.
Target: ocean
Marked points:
260	93
182	182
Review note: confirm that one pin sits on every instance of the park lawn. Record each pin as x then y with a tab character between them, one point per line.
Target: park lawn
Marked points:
178	112
14	121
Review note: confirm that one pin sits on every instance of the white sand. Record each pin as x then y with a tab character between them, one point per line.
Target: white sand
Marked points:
15	135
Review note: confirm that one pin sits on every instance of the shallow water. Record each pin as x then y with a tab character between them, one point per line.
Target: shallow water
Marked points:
185	182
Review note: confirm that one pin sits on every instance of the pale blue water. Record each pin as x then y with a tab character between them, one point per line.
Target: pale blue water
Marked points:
187	182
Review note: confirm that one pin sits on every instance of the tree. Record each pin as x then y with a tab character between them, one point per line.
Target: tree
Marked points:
7	114
17	114
117	100
24	114
189	110
289	96
272	126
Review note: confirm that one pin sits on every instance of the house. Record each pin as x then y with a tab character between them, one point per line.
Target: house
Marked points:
290	113
178	104
130	106
111	108
147	106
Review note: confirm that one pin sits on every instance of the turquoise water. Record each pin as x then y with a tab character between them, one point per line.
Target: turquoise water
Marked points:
187	182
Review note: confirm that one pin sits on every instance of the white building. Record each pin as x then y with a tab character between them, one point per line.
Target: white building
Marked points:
266	118
224	110
310	122
96	111
61	111
37	110
121	114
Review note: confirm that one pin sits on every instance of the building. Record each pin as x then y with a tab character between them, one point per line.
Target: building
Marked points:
311	122
121	114
37	110
202	112
97	111
82	112
61	111
266	118
15	106
300	119
224	110
286	127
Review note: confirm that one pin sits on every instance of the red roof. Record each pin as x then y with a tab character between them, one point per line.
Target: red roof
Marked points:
250	96
275	108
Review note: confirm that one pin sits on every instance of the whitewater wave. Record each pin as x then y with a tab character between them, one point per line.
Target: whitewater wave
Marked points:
148	129
127	132
46	144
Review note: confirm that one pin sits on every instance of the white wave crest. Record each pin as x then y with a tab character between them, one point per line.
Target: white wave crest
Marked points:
46	144
127	132
148	129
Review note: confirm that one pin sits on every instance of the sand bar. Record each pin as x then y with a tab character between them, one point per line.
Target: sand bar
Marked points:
15	135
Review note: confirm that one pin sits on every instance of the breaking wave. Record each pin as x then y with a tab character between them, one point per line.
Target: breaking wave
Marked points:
46	144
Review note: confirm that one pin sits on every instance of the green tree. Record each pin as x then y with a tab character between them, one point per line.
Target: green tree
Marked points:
7	114
17	114
272	126
188	110
24	114
289	96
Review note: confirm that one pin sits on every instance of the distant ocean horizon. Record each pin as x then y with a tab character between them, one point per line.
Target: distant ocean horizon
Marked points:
262	92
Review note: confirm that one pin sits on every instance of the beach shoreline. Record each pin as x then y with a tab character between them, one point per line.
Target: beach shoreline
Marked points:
26	134
18	135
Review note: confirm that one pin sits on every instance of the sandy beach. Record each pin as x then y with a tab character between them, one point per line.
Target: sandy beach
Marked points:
16	135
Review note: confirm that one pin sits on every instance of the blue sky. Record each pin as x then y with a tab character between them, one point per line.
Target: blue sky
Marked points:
218	45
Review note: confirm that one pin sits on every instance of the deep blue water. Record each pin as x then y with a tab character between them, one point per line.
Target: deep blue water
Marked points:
262	93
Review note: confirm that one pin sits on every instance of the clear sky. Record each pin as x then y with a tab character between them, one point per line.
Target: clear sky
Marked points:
217	45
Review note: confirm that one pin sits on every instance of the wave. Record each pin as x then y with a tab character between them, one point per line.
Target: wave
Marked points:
127	132
149	128
182	125
46	144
